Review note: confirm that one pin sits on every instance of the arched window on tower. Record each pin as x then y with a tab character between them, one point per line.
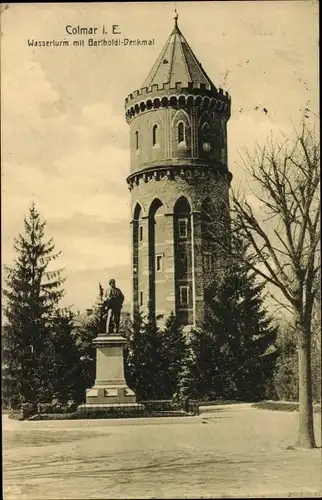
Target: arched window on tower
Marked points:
136	140
155	135
181	133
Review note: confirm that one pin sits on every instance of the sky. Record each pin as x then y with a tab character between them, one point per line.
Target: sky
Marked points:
64	138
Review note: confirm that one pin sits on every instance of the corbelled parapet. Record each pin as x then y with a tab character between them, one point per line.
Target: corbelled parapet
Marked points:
196	170
183	95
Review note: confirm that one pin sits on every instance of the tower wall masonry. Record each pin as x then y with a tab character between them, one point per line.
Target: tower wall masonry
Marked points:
179	167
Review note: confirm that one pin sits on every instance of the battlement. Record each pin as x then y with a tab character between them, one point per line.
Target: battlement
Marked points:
180	86
162	96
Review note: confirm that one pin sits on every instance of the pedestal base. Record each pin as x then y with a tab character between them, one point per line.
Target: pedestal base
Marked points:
110	387
109	394
112	410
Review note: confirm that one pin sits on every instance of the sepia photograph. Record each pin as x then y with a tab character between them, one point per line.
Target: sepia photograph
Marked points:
161	266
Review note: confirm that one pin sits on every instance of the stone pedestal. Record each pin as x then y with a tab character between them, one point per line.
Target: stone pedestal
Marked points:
110	392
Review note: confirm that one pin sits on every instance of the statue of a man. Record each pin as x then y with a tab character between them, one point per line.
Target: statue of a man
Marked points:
113	303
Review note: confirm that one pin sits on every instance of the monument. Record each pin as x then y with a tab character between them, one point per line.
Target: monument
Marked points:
110	393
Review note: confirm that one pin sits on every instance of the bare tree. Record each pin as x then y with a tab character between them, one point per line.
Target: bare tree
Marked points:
286	243
281	220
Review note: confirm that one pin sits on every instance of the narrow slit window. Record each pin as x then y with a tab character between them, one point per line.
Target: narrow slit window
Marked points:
183	228
136	140
184	296
159	262
155	138
141	233
141	298
181	132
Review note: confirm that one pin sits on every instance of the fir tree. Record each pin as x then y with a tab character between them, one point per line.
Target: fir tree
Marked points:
207	377
174	352
233	350
32	296
66	371
185	387
144	360
85	335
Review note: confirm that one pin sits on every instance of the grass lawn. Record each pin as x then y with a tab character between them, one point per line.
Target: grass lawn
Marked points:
230	452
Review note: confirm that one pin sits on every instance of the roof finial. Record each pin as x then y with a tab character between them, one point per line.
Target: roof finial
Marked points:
176	17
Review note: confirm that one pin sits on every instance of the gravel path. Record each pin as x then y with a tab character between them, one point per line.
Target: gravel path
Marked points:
227	452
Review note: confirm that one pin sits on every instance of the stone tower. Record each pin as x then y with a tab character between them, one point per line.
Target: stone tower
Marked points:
178	126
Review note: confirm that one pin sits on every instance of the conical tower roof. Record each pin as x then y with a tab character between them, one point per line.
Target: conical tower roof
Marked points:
177	63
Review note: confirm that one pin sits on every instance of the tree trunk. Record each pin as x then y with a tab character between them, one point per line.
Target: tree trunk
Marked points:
306	428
